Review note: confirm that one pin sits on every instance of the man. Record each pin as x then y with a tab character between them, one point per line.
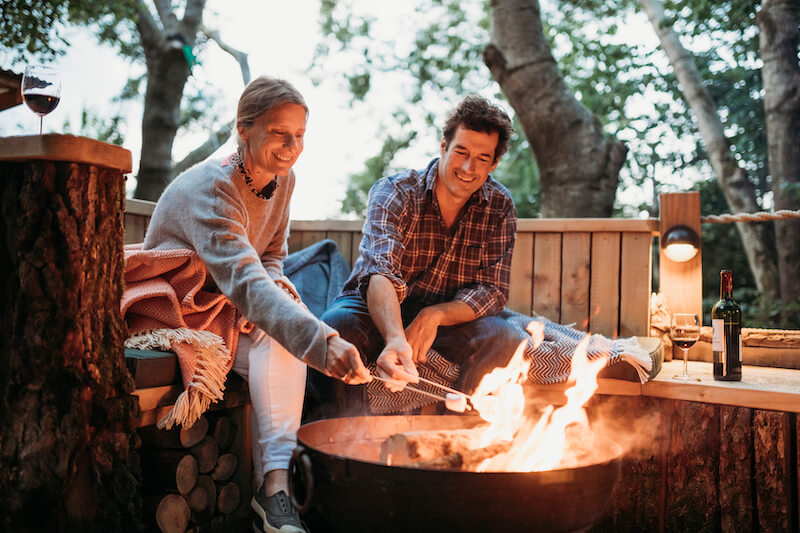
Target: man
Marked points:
435	261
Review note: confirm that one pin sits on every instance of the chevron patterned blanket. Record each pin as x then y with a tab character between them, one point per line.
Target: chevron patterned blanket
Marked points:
551	362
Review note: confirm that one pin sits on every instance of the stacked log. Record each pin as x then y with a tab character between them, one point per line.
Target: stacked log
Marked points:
188	475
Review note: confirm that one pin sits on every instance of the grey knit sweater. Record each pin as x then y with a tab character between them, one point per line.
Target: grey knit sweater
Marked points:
241	239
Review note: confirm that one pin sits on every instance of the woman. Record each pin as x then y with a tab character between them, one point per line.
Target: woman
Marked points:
235	214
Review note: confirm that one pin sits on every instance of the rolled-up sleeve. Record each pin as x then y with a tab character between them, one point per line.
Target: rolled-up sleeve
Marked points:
488	295
382	246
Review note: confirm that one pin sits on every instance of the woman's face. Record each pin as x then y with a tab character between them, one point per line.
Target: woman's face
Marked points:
275	140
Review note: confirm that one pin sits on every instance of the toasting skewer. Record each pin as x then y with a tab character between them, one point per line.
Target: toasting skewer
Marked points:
453	400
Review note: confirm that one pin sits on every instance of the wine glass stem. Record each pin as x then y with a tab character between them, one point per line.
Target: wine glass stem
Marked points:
41	119
685	363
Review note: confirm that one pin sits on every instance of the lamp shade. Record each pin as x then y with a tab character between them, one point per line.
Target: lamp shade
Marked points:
680	243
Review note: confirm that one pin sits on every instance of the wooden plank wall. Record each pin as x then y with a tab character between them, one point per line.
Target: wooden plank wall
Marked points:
593	273
693	466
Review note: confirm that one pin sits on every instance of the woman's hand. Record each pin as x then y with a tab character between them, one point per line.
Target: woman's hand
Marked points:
344	362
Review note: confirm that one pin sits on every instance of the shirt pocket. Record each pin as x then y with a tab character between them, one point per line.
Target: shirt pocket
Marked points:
471	261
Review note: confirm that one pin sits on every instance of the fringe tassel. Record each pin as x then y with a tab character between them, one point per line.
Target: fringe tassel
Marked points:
636	356
207	384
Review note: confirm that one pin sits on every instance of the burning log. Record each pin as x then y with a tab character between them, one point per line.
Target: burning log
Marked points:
459	448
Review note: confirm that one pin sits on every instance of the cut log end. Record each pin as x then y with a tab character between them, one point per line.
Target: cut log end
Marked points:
172	514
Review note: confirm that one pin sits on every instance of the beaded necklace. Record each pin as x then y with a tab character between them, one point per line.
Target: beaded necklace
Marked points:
268	190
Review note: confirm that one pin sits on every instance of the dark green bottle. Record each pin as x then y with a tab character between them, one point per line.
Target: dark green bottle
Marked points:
726	321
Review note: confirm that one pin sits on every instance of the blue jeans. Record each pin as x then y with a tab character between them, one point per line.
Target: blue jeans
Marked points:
477	347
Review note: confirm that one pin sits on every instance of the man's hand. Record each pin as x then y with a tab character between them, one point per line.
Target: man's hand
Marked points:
395	364
344	362
422	332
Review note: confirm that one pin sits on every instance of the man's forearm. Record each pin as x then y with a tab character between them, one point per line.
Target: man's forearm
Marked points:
450	313
384	307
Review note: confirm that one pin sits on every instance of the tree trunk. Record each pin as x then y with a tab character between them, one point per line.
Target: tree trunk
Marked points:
579	165
67	457
739	193
167	72
779	37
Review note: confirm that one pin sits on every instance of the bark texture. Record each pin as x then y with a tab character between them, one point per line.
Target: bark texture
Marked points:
779	38
579	165
691	466
167	72
738	191
67	449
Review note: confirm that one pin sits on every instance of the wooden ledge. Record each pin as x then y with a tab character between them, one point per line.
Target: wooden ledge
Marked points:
155	402
775	389
54	147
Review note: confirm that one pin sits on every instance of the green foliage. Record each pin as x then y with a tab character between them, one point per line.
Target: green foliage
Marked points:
377	166
31	26
443	60
519	173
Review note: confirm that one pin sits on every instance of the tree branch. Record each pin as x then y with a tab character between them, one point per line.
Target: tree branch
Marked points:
192	19
148	27
238	55
738	190
215	140
167	16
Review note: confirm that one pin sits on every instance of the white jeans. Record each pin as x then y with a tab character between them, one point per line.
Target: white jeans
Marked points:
277	382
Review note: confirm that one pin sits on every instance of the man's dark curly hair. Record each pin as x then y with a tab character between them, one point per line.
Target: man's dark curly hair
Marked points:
478	114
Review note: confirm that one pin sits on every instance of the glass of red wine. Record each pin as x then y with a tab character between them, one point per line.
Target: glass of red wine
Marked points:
41	90
684	328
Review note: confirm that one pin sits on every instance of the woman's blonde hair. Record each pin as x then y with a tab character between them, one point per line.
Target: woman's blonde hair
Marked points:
261	95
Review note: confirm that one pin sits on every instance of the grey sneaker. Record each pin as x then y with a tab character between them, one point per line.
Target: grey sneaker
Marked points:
276	513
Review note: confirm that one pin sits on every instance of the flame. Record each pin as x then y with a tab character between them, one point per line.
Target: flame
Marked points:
537	444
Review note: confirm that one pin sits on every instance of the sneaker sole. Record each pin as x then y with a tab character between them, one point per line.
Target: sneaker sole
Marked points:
266	528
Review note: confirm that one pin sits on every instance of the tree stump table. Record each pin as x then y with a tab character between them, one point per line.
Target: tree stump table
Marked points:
67	448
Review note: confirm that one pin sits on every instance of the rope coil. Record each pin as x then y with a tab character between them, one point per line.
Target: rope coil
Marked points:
760	216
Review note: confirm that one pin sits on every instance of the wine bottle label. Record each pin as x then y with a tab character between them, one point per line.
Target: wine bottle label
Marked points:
718	338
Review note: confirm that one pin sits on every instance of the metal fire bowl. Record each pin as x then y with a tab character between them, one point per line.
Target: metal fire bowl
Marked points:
338	483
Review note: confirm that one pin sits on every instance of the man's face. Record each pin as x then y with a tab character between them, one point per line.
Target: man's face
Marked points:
465	165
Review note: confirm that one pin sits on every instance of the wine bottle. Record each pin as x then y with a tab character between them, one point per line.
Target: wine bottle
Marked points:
726	322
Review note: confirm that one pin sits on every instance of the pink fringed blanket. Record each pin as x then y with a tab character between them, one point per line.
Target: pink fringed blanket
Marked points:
166	308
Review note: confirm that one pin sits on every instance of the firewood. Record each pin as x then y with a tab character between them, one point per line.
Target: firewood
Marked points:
467	460
202	499
225	468
415	446
195	433
228	497
169	470
206	452
172	514
224	432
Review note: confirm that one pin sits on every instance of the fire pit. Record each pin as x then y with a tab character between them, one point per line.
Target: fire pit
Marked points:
338	480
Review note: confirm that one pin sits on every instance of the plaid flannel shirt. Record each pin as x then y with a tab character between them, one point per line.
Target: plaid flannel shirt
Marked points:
405	240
